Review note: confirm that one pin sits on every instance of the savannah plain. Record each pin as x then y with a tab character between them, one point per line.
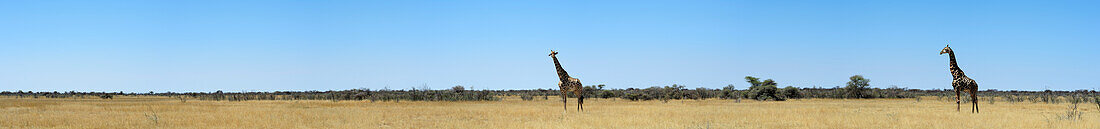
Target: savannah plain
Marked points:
164	112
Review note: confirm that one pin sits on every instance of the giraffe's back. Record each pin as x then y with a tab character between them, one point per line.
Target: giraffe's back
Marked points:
965	83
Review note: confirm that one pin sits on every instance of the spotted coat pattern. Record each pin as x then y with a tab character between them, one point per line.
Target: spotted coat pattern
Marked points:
960	82
568	84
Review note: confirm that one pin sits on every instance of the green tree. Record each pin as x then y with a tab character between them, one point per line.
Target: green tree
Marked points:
857	85
762	90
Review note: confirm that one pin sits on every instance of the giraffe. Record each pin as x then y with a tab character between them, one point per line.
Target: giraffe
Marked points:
961	82
567	84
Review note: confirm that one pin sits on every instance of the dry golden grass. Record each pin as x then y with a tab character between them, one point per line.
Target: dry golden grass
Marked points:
157	112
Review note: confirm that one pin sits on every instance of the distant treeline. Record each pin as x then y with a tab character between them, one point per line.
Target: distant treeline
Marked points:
661	93
766	90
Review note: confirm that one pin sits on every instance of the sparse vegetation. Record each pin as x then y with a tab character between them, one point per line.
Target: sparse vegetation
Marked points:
527	97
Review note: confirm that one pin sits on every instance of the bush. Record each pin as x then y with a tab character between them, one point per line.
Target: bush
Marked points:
606	94
592	91
527	97
636	96
674	92
701	93
729	92
790	92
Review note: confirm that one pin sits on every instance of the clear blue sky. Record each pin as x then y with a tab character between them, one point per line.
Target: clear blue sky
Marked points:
196	45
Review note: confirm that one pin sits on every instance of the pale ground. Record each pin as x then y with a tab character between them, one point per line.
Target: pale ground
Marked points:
154	112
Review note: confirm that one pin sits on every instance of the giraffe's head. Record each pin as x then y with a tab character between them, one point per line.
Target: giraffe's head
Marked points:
946	50
552	53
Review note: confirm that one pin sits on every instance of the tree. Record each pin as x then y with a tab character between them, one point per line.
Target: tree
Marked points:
458	88
856	86
762	90
756	81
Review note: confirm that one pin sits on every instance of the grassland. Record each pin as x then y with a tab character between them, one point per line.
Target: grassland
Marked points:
163	112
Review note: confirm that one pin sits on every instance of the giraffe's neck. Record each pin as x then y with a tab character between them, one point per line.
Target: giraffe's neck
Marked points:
562	75
956	72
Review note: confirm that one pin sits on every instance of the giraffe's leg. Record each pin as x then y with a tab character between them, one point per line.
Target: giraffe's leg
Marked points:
974	97
580	98
958	104
581	103
975	103
564	104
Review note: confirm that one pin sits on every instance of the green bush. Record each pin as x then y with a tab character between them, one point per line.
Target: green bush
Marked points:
527	97
729	92
790	92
